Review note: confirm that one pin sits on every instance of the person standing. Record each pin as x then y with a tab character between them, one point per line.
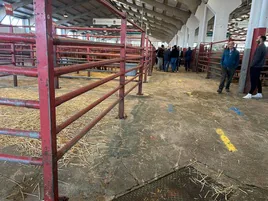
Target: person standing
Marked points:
180	57
188	58
167	59
160	57
173	58
229	63
256	66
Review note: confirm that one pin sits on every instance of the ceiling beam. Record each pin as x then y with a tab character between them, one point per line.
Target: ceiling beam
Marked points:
65	7
21	4
160	35
161	30
181	14
164	34
155	22
168	30
191	4
70	19
177	23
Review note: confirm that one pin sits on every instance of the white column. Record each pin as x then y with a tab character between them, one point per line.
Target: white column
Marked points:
254	22
201	15
176	40
186	37
192	24
264	14
182	36
222	10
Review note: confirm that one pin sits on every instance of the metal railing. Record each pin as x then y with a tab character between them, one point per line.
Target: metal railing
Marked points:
46	72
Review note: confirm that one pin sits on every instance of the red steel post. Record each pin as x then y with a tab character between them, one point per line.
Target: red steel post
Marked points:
54	32
147	60
32	54
141	63
15	77
209	59
44	53
152	61
123	34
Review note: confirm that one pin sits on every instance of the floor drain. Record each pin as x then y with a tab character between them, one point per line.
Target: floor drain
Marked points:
186	184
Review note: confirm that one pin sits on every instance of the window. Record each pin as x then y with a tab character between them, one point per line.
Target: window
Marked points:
6	20
10	20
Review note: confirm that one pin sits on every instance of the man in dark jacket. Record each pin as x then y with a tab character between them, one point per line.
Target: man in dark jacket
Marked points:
160	57
188	58
229	63
179	58
173	58
166	59
256	66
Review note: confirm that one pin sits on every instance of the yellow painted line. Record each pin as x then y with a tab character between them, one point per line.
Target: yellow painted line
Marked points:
226	140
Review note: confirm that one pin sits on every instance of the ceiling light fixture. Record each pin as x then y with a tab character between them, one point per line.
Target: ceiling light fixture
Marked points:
65	15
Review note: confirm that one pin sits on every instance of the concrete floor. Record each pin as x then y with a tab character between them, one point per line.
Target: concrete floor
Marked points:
166	128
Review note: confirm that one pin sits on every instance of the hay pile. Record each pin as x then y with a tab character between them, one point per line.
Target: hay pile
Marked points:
28	119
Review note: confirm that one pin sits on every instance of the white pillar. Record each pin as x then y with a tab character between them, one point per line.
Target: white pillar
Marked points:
182	36
201	15
192	24
264	14
222	10
176	40
186	37
254	22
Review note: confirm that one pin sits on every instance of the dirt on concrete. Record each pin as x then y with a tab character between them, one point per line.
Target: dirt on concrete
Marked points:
174	125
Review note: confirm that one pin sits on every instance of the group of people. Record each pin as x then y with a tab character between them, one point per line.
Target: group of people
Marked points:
173	57
230	62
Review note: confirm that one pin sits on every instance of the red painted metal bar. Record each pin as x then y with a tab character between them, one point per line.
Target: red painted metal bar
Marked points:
131	89
21	159
85	110
70	42
96	54
146	59
123	34
83	132
18	70
133	47
19	103
20	133
44	53
113	9
135	25
62	99
15	77
134	58
134	68
16	26
12	38
142	64
133	78
78	67
32	51
209	58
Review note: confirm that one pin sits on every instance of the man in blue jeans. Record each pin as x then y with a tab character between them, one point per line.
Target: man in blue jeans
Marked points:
166	59
229	63
173	58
